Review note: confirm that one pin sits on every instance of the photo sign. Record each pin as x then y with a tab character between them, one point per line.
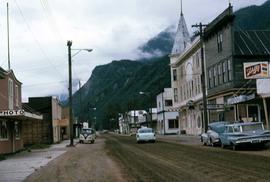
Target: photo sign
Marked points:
255	70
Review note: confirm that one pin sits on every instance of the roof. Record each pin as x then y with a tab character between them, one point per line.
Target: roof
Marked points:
182	38
219	22
251	43
2	73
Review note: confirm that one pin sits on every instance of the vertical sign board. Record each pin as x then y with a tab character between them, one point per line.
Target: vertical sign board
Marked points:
255	70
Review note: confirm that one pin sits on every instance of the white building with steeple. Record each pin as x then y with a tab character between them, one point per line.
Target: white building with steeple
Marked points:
185	65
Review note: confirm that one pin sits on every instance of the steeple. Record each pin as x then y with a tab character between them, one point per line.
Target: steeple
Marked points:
182	38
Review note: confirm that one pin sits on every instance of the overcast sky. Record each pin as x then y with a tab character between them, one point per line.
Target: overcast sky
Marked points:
39	31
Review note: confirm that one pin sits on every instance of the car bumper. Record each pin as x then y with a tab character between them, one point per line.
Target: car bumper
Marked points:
252	141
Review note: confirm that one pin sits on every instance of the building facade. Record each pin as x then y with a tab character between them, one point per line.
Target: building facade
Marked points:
12	115
53	128
227	48
167	120
186	83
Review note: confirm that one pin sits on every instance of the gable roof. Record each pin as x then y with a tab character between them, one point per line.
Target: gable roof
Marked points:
250	43
2	73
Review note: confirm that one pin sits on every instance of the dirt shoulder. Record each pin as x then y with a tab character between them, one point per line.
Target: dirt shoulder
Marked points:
85	162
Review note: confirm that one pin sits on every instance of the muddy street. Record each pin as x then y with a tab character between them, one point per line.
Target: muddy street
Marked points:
120	158
85	162
164	161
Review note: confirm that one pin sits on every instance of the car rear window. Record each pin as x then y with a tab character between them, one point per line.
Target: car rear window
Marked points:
88	131
146	131
252	127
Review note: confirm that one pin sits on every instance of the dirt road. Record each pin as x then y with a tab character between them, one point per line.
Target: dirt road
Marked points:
119	158
164	161
85	162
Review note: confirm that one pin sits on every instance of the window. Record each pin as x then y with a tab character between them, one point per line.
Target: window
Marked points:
173	123
215	76
17	128
224	72
159	104
230	76
220	74
175	94
174	74
192	87
219	42
3	130
199	122
210	78
198	59
17	95
199	84
10	94
168	102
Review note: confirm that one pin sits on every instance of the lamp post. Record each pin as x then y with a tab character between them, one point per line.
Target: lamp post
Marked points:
150	107
69	44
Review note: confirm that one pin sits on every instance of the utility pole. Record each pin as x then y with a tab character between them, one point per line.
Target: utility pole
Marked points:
8	37
205	114
69	44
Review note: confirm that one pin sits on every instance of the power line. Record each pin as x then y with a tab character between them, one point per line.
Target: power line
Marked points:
36	41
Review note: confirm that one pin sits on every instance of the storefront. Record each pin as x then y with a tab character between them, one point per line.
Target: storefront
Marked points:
11	129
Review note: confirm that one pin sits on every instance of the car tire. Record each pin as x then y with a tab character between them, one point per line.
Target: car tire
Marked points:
138	142
92	141
211	143
222	146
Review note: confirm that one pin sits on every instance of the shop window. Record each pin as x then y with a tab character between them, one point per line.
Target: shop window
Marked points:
173	123
17	128
253	113
3	130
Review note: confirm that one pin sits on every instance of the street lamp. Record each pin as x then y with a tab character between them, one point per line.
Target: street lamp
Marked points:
150	106
69	44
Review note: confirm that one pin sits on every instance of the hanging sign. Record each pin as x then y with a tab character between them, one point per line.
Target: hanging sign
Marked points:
255	70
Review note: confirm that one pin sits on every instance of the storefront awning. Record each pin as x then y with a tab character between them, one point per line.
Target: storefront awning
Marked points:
19	114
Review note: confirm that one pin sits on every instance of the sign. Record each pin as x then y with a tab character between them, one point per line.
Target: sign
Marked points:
263	87
213	107
240	98
12	113
256	70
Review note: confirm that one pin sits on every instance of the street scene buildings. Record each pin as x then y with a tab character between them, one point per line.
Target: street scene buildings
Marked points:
147	124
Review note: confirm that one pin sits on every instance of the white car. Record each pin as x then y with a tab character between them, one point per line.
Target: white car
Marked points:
145	135
87	135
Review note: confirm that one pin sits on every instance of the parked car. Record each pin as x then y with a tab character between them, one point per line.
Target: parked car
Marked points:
145	135
87	135
211	137
252	133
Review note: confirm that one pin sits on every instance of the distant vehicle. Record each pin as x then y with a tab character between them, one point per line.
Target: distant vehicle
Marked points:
87	135
211	137
237	134
145	135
